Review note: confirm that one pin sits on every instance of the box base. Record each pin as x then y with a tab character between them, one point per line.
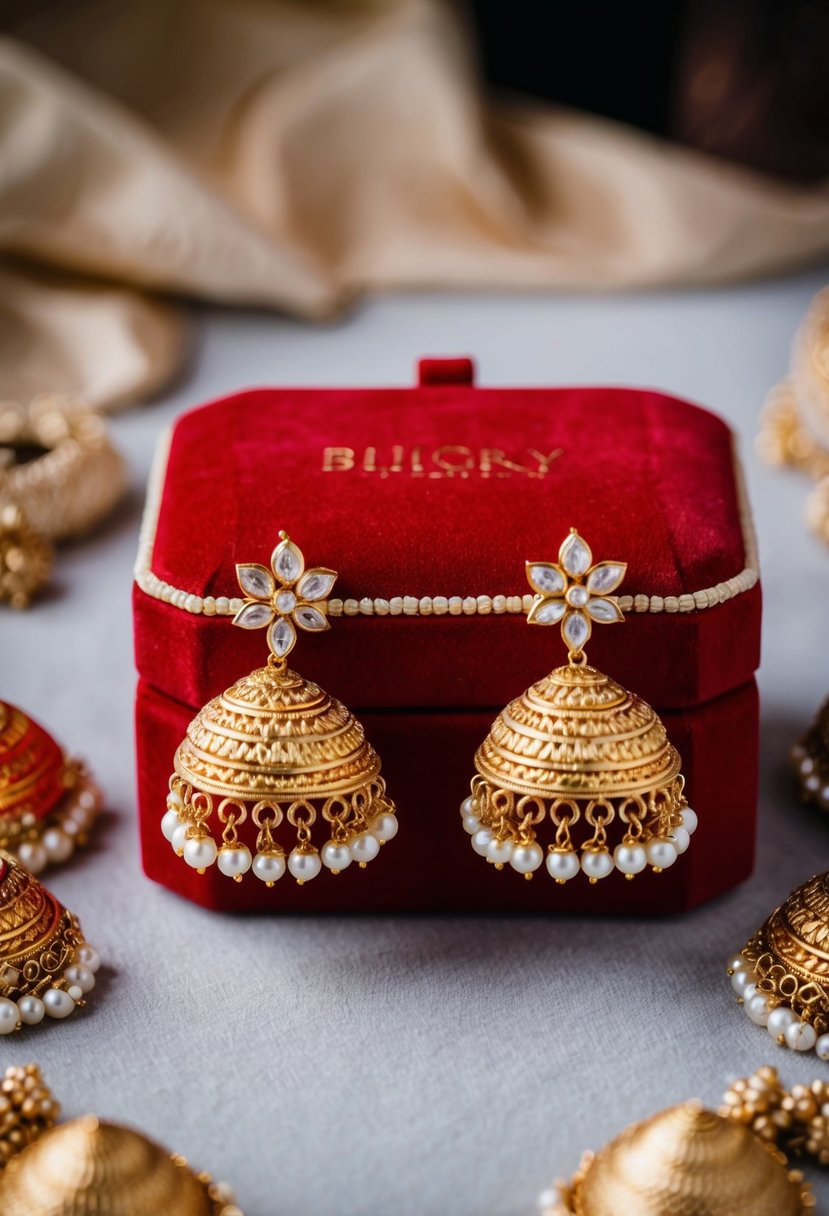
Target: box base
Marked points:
430	865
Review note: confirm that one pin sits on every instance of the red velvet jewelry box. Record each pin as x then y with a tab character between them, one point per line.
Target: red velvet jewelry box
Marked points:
427	500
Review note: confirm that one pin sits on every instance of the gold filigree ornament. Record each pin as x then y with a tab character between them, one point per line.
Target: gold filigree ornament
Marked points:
48	800
686	1161
781	976
277	750
47	967
578	750
92	1168
26	557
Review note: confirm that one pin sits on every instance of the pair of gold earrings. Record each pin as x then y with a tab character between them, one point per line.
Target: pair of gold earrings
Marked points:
575	750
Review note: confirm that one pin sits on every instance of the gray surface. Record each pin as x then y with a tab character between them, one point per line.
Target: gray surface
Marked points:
419	1067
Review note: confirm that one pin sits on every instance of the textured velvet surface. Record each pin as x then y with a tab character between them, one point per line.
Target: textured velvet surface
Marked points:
445	498
430	865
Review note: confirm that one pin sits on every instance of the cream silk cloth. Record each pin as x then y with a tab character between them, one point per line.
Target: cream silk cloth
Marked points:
295	155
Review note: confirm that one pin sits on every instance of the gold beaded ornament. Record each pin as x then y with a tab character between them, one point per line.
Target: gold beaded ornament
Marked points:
781	976
279	751
578	750
89	1167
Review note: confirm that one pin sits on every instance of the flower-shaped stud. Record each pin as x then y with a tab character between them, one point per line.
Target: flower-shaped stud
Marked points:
284	596
575	592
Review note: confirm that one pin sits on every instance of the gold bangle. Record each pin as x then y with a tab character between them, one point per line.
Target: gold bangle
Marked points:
58	465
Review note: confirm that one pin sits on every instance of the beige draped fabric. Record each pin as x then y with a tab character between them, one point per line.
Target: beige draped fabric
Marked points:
294	155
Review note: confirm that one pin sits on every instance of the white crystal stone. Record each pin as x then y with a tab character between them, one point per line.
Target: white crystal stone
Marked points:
605	577
550	613
255	581
577	596
282	637
575	555
287	562
603	611
576	630
253	616
317	584
310	618
546	578
286	601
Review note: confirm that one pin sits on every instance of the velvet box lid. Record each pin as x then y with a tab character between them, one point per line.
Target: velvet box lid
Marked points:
427	500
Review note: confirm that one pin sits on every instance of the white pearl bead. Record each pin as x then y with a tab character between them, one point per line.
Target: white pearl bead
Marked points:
179	838
169	823
32	855
234	860
174	800
680	839
364	848
305	866
80	975
468	806
499	852
597	865
661	853
75	991
812	784
82	817
749	991
801	1036
690	819
200	852
269	867
57	844
335	856
481	840
822	1047
757	1009
741	980
562	865
9	1015
737	962
527	857
384	827
630	858
58	1004
31	1009
471	824
89	956
780	1019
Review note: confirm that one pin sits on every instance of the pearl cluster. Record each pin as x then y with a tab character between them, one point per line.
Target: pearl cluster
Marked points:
526	856
303	863
783	1024
64	831
79	979
814	781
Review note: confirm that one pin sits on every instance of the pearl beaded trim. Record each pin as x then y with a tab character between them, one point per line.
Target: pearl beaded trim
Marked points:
439	605
785	1026
78	979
